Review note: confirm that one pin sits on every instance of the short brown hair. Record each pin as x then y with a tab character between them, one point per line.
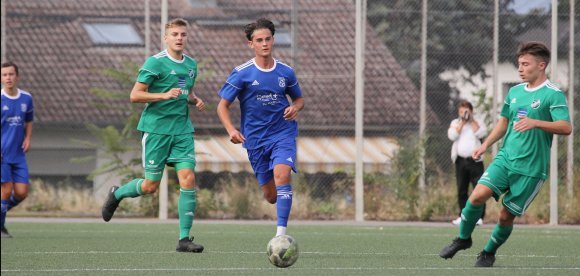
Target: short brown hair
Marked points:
175	23
465	103
261	23
10	64
536	49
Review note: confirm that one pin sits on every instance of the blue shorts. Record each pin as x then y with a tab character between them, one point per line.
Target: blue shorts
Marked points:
264	159
15	172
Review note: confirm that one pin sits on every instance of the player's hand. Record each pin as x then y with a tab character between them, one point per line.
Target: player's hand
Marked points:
290	113
198	102
524	124
476	155
236	137
26	145
172	94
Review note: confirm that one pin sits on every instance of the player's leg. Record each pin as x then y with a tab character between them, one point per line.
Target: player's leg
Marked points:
522	191
282	160
474	207
155	151
6	191
475	172
260	160
499	236
21	184
182	157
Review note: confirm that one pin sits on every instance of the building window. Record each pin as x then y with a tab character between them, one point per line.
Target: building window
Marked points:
113	34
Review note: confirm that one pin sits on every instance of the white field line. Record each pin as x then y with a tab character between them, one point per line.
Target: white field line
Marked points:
290	269
258	252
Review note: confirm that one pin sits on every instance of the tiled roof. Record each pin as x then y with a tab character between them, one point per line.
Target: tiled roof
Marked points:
59	63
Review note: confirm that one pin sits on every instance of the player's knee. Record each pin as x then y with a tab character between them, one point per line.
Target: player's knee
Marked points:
506	218
149	187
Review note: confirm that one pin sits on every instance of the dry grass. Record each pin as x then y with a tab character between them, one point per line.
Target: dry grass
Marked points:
242	199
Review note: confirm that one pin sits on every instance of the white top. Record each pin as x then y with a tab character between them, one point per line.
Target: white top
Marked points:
466	142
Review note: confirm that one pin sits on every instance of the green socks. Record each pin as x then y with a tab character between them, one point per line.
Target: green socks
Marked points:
469	216
499	235
186	210
131	189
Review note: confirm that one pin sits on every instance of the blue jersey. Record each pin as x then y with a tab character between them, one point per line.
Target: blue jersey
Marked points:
16	112
262	95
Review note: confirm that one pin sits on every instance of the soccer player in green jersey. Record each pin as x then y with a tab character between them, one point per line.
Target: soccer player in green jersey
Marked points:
164	84
532	112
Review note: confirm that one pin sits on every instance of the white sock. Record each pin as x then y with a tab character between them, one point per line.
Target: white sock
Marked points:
280	230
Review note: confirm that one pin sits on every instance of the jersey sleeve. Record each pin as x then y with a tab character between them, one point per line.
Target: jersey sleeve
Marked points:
149	71
293	89
29	116
559	107
232	88
505	110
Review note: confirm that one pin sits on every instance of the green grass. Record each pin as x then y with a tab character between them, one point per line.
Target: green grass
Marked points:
239	248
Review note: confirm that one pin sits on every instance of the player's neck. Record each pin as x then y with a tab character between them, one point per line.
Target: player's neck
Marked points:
537	82
12	91
177	55
264	62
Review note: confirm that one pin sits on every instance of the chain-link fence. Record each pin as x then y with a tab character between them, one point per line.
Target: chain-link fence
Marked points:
317	38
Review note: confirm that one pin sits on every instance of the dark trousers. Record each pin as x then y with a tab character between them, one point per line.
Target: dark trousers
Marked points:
466	171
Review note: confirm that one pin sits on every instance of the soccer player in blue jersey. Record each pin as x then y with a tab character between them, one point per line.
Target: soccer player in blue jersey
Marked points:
17	115
268	119
532	112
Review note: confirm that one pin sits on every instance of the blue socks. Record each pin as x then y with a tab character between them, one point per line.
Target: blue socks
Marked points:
13	202
283	203
4	209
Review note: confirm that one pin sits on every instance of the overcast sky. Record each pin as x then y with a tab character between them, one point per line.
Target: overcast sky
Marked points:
524	6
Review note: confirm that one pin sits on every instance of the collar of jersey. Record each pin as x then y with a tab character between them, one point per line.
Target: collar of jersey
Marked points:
537	87
175	60
262	69
12	97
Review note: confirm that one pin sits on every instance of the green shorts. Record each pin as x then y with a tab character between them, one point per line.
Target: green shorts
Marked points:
174	150
520	190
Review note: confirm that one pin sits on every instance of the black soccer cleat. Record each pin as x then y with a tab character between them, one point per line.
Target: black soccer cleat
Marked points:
485	259
187	245
4	233
456	245
110	205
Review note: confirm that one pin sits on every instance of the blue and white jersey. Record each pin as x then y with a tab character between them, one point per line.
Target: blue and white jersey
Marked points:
16	112
262	95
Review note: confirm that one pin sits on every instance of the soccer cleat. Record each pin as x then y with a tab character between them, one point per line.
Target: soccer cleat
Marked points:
187	245
456	221
110	205
485	259
4	233
479	222
457	244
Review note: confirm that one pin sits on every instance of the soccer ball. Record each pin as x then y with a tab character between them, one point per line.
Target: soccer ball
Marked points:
282	251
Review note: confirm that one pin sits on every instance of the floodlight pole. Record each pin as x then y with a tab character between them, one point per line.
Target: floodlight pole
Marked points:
3	25
359	107
423	97
554	150
495	81
570	155
147	19
163	190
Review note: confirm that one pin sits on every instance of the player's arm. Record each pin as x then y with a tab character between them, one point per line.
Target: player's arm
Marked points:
140	94
291	112
497	133
223	111
27	136
558	127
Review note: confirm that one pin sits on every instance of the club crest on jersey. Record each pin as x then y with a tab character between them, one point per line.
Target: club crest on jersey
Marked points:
23	107
535	104
282	82
191	73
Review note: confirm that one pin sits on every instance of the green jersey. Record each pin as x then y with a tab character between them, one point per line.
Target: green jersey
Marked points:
528	152
161	73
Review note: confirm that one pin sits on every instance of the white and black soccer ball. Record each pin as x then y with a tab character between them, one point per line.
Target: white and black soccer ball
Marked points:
282	251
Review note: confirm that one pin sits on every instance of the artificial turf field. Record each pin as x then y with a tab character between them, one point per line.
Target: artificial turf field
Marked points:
140	247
